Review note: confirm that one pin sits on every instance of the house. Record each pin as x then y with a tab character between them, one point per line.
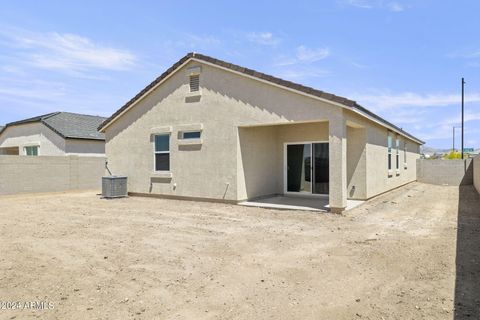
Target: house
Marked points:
54	134
208	129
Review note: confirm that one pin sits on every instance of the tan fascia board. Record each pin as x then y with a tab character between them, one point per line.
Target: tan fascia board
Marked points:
266	82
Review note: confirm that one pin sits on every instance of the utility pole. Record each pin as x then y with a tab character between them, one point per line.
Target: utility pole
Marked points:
463	116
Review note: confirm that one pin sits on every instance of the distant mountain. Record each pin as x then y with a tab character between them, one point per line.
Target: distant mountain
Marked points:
431	151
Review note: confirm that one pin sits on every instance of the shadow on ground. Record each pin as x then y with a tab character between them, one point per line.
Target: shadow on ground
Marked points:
467	283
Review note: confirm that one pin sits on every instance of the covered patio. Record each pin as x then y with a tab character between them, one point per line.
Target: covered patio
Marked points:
315	165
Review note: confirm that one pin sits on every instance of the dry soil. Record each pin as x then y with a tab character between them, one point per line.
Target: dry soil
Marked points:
394	257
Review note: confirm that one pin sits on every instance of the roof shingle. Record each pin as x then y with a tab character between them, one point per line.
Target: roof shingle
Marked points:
68	125
259	75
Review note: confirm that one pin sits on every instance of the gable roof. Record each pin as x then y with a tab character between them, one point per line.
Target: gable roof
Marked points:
67	125
344	102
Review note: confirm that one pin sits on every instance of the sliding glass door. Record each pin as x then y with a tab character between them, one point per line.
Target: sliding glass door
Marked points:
307	168
298	168
321	168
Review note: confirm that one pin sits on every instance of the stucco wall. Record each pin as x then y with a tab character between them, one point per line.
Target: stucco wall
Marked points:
51	144
36	133
262	150
217	167
377	175
258	173
476	173
227	101
49	174
445	172
356	163
82	147
378	178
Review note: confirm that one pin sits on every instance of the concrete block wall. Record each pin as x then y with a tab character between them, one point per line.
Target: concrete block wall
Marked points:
476	173
21	174
445	172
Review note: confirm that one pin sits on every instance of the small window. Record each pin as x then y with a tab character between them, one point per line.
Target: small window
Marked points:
194	83
397	156
191	135
162	152
390	144
31	151
405	154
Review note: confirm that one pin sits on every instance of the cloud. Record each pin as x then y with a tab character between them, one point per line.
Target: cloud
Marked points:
303	55
296	74
41	96
263	38
308	55
189	41
40	90
67	52
194	40
376	4
456	120
395	7
364	4
471	56
384	101
465	54
429	116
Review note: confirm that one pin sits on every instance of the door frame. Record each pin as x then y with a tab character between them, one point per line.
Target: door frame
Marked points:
285	173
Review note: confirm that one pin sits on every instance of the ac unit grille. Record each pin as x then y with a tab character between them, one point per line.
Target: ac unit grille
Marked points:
114	187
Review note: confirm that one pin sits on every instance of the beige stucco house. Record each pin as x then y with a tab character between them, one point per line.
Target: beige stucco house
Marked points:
54	134
208	129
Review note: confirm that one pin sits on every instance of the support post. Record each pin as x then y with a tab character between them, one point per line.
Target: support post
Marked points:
338	165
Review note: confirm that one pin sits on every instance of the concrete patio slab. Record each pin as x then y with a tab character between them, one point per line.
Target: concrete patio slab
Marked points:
296	203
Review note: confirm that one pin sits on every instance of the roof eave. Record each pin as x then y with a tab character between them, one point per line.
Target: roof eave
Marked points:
258	76
84	138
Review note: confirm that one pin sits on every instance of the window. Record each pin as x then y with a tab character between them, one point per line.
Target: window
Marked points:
191	135
194	83
162	152
390	143
397	156
31	151
405	154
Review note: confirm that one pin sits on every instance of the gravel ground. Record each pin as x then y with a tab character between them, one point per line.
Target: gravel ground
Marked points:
393	257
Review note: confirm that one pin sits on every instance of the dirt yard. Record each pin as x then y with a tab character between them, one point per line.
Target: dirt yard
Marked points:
140	258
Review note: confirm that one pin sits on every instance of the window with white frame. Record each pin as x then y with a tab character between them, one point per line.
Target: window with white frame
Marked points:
390	145
191	134
162	152
31	151
405	155
397	156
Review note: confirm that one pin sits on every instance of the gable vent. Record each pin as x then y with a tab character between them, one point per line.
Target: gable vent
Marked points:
194	82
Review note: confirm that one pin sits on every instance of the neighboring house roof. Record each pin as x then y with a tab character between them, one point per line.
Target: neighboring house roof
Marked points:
68	125
261	76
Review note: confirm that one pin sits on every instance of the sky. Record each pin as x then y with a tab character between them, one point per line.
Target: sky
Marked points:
403	60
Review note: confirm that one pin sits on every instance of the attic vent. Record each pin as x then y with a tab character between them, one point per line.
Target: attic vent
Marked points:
194	82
